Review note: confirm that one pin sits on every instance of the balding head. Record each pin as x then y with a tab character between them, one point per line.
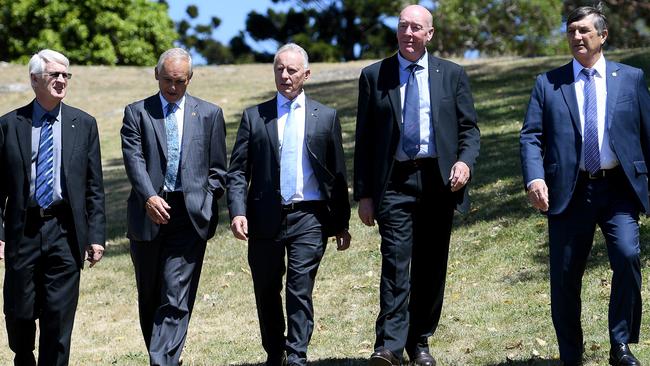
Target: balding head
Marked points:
414	31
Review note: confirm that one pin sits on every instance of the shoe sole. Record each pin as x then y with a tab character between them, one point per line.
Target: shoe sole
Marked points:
379	361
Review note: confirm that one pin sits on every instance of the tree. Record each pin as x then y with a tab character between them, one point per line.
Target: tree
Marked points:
629	21
108	32
198	37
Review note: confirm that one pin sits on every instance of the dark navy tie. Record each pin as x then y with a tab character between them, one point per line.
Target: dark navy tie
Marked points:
411	115
44	190
173	148
591	150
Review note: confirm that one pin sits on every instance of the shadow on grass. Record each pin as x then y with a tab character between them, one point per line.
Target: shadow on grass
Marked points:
531	362
325	362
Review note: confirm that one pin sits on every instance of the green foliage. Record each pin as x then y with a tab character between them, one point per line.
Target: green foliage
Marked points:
110	32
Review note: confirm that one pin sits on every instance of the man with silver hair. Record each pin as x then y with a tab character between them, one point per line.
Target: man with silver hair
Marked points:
289	149
51	212
175	157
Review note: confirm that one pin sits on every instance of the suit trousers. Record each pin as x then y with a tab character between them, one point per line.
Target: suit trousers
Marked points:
301	237
42	282
415	219
611	204
167	271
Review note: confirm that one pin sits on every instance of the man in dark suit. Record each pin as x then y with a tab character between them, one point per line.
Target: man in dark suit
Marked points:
584	146
51	212
175	157
289	149
416	143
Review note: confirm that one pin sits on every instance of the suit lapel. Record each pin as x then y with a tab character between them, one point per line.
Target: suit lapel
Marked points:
311	120
269	113
68	136
153	106
24	133
190	124
392	84
569	93
613	82
435	87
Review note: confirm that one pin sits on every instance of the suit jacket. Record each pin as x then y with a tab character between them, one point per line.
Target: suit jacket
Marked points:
82	170
379	123
256	159
551	142
202	166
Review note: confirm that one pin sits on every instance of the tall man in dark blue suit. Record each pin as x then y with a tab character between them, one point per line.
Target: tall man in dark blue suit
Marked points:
584	146
175	158
416	143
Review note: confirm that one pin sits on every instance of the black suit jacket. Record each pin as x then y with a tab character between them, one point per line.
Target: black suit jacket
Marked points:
256	159
82	170
202	165
379	123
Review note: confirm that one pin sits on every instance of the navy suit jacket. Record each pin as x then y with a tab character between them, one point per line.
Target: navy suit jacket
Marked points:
82	171
256	159
379	123
551	141
202	166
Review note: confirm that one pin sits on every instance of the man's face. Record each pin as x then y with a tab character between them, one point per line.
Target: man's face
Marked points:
414	31
584	40
173	78
50	87
290	73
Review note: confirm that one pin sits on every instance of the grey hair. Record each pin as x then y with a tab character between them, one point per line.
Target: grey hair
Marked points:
293	47
174	53
38	60
600	21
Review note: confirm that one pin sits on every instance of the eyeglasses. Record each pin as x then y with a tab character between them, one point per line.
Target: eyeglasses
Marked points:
56	74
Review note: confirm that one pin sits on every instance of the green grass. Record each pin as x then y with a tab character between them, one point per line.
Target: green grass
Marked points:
497	306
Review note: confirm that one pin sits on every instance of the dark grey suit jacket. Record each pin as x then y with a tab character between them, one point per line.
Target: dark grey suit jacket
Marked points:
82	171
256	159
379	124
202	166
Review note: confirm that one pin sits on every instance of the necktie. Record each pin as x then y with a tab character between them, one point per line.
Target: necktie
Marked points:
45	164
173	149
289	154
591	150
411	117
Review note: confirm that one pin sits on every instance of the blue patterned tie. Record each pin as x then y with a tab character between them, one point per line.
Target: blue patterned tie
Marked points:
591	150
173	149
289	154
44	190
411	115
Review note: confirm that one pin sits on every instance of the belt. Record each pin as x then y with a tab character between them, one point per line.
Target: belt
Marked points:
48	213
302	206
602	173
415	163
175	195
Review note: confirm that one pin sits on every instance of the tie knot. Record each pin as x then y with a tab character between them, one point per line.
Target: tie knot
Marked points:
171	108
49	118
292	104
413	67
589	73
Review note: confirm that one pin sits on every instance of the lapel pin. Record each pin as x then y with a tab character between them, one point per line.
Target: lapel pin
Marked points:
614	73
72	126
193	114
437	70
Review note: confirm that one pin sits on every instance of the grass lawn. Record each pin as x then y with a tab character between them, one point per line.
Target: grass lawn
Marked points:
497	305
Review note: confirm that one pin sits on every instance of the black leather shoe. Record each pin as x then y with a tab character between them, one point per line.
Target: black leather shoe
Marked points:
383	357
423	358
572	363
620	355
277	361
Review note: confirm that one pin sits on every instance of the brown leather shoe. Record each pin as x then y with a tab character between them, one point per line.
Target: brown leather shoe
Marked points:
383	357
423	358
620	355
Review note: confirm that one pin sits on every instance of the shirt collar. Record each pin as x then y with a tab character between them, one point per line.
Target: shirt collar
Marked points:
600	66
423	61
38	113
180	104
282	100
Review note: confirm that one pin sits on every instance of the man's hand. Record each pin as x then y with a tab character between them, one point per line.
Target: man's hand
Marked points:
94	253
367	211
343	240
459	176
538	195
239	227
2	250
157	209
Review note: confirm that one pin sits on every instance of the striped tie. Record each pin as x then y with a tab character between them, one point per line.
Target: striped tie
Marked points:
173	149
411	118
289	154
45	164
591	150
